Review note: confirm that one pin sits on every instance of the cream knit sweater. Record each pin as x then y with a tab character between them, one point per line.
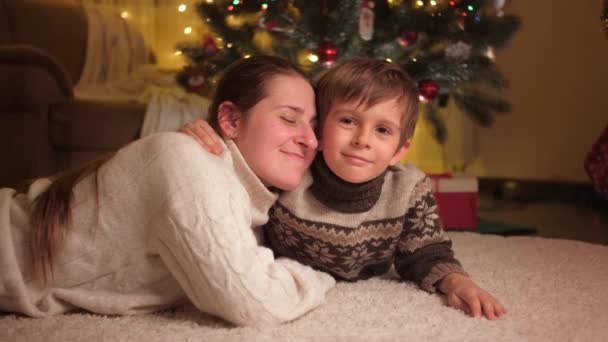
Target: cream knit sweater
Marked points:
169	223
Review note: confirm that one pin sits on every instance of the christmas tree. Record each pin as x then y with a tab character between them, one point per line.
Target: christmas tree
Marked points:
446	46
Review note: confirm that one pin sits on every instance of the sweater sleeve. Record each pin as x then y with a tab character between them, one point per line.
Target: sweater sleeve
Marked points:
207	243
424	252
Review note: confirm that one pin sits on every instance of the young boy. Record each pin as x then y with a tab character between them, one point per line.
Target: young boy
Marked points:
359	211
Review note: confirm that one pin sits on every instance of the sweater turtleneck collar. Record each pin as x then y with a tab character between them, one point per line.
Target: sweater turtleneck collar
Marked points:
341	195
261	198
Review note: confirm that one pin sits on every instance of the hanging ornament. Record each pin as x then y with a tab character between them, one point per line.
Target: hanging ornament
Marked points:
407	37
328	53
209	46
195	77
366	20
277	23
427	90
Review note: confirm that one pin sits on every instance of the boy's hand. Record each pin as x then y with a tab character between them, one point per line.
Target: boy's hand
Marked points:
202	132
463	294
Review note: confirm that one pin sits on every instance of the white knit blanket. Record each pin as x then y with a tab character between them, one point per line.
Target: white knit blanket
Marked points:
117	69
555	290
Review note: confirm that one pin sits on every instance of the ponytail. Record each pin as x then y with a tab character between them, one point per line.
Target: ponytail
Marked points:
51	217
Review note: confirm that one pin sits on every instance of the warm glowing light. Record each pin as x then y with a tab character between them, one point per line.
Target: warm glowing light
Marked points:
188	30
182	8
264	6
452	3
124	14
490	53
389	60
246	56
209	1
420	3
177	53
229	45
433	3
230	8
313	58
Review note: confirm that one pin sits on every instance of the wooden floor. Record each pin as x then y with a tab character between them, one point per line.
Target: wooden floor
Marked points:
553	219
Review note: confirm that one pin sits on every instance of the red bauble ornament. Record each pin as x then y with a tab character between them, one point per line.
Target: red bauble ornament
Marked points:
209	46
407	38
427	90
328	53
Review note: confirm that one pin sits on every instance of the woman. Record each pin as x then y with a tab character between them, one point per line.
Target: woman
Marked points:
163	222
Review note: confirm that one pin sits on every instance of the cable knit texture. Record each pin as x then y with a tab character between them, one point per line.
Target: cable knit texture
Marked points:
170	223
357	231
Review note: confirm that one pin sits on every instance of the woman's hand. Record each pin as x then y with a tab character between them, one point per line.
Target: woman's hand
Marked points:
204	134
463	294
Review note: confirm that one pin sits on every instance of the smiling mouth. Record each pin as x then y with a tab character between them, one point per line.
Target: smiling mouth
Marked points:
295	155
356	159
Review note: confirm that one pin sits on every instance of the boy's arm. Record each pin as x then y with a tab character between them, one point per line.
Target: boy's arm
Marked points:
424	252
204	134
463	294
424	255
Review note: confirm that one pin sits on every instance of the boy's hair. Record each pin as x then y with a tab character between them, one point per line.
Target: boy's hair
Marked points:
244	83
369	82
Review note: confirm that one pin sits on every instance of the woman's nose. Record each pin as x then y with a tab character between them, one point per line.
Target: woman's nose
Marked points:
307	137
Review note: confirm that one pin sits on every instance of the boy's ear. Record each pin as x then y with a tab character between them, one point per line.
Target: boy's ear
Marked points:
228	119
401	152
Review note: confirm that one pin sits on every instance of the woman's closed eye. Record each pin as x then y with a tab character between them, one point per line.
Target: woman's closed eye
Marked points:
288	120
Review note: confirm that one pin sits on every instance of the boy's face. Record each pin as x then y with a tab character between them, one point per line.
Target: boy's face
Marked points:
359	143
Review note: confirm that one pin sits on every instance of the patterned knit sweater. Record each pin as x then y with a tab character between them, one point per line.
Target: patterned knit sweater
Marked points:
357	231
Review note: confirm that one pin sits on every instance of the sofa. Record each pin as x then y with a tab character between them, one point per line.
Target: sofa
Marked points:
43	127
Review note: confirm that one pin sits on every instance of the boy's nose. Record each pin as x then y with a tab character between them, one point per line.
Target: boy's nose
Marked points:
361	138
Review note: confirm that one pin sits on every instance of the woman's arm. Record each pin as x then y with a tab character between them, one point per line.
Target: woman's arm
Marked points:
207	243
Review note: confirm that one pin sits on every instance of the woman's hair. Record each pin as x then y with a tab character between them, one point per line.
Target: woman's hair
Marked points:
51	216
243	83
368	82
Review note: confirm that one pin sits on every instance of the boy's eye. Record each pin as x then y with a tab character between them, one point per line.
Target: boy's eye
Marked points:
347	121
384	130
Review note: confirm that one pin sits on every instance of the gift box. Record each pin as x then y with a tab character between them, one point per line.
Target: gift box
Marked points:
456	200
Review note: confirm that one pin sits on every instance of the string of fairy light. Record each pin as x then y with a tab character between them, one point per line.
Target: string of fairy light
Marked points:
312	56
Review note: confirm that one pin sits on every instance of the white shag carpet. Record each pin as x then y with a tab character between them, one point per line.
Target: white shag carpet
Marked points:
554	290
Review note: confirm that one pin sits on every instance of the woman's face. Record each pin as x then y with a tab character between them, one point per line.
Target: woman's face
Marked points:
276	136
